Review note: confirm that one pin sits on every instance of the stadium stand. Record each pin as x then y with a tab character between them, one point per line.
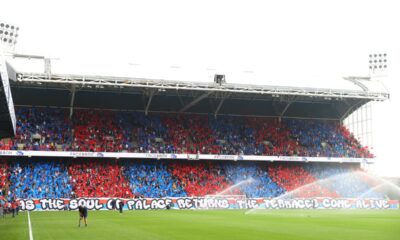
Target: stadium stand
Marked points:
325	139
152	179
144	133
50	129
39	179
98	179
200	178
6	144
233	136
42	129
190	134
295	176
252	179
274	138
96	131
69	178
344	180
4	175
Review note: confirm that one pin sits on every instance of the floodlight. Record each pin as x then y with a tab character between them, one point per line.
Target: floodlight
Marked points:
8	36
377	61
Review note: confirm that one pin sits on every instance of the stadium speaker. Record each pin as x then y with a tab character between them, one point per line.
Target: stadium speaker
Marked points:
219	79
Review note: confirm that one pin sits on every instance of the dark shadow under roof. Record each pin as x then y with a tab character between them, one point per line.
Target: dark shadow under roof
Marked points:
174	101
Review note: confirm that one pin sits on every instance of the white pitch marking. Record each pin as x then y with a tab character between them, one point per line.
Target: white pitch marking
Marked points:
30	227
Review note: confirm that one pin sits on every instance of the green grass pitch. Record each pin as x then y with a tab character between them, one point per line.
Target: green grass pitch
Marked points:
207	224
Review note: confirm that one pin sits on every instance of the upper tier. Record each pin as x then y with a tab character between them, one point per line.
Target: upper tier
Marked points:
51	129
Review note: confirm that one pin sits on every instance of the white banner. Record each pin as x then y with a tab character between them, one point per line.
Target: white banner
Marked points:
178	156
206	203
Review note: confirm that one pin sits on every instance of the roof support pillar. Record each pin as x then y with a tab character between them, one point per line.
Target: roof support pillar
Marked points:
146	111
71	103
220	104
219	107
350	109
289	100
285	109
195	101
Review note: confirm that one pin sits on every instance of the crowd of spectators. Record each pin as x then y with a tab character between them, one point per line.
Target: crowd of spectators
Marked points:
349	182
298	182
97	131
4	177
252	180
70	178
152	179
190	134
325	138
233	135
273	138
353	144
8	207
101	178
107	131
42	129
200	178
39	179
144	133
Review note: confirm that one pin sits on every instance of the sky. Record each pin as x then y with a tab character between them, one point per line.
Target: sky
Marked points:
295	43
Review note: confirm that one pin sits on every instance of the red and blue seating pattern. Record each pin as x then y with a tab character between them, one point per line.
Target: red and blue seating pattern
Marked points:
51	129
66	178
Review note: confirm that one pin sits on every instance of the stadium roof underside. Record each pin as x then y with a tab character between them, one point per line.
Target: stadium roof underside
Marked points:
152	95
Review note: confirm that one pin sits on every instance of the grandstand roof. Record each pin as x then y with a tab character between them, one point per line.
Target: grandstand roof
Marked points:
158	95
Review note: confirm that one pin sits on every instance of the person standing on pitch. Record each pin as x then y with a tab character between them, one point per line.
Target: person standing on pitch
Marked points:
13	208
121	206
1	211
83	213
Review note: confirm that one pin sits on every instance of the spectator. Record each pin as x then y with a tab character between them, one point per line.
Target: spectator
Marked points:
50	129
